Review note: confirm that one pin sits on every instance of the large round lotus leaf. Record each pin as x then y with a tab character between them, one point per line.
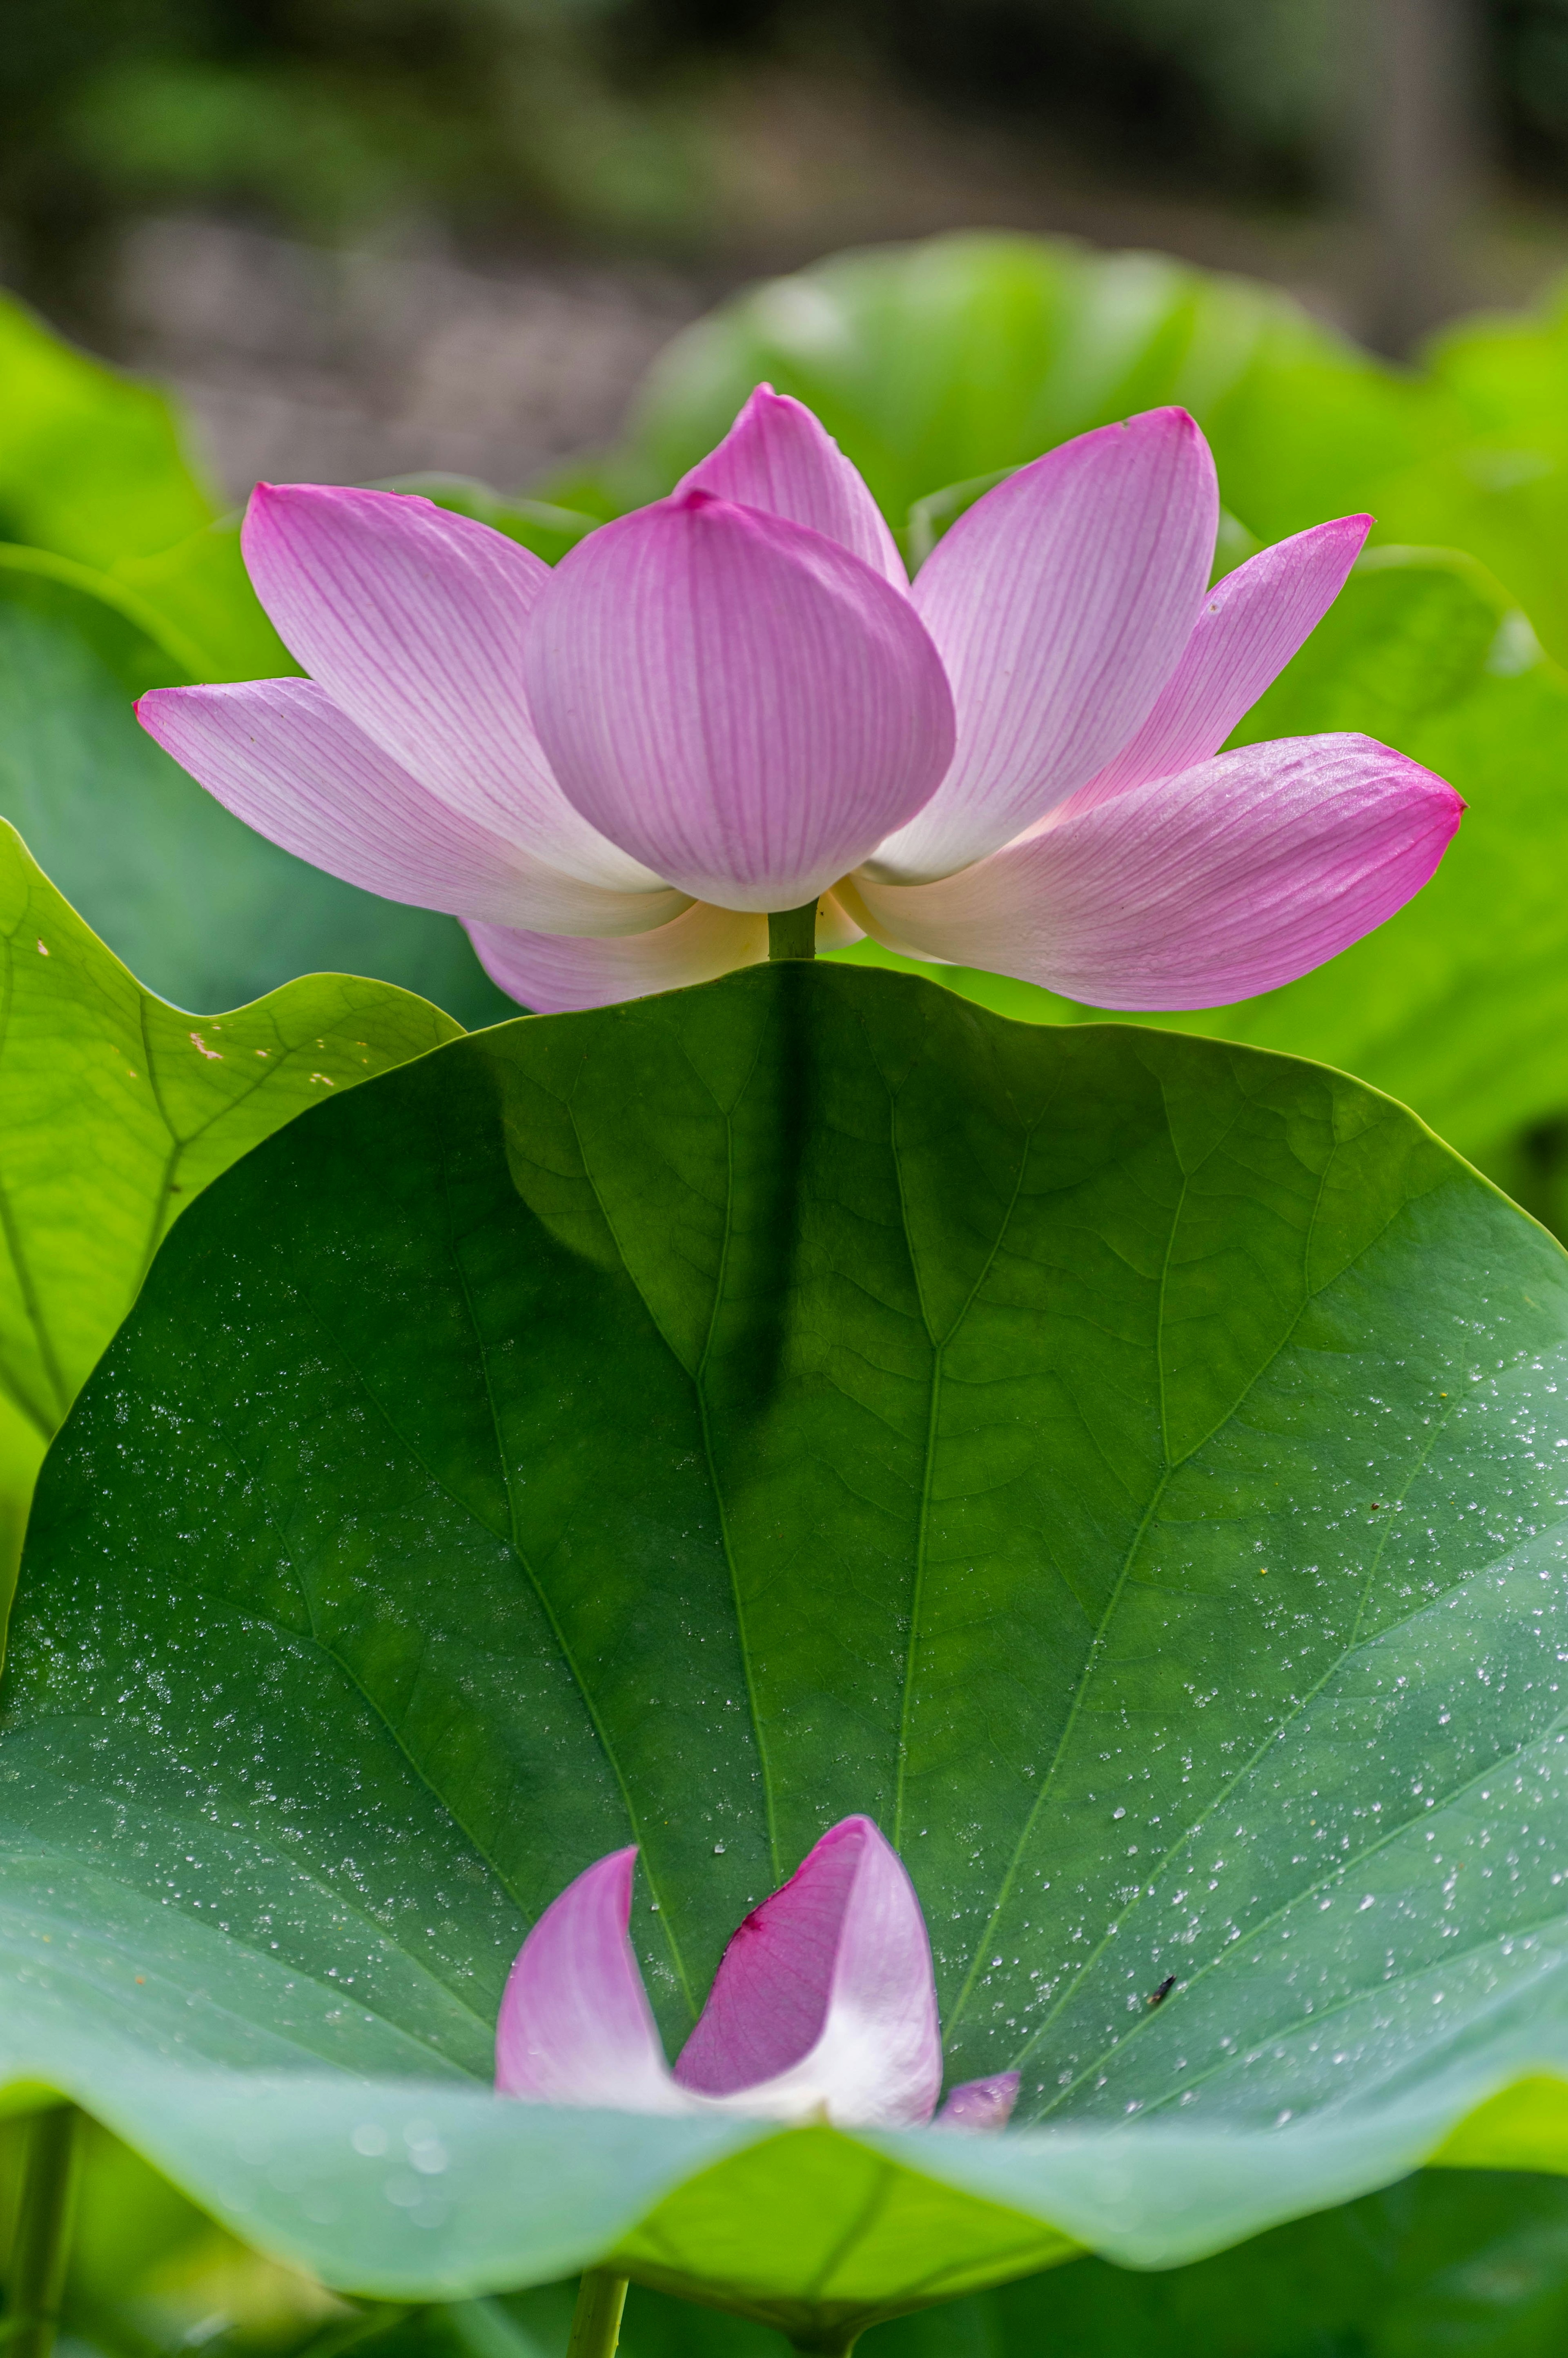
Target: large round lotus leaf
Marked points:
1132	1468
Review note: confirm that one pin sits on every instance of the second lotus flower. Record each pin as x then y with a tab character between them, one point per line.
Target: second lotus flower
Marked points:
823	2008
735	702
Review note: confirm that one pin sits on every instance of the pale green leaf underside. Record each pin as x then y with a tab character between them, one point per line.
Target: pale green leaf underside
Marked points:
1128	1466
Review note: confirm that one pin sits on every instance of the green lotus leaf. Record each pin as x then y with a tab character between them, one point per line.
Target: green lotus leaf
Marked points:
1476	2266
1502	489
94	465
119	1110
96	474
1130	1467
1469	2263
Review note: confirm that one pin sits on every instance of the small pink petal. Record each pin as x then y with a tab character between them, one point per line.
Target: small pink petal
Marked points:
412	620
575	2025
738	702
1060	603
1195	891
825	1996
776	457
283	758
553	974
1251	625
982	2104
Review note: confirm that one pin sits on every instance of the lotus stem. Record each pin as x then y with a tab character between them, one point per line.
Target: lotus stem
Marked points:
792	933
41	2251
596	2320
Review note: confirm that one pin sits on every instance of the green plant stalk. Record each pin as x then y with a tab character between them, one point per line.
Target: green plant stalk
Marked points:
596	2320
792	933
41	2251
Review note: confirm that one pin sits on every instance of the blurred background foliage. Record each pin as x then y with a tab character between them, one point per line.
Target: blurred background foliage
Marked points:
608	117
331	114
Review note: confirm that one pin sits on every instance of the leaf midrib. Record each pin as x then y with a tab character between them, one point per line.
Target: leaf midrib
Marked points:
938	1356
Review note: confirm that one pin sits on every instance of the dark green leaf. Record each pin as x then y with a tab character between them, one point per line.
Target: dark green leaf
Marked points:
1128	1466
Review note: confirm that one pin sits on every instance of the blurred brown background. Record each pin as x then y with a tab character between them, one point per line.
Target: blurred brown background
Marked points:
364	237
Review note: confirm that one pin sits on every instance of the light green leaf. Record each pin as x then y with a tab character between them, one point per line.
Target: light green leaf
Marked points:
96	474
1502	489
1130	1467
1474	2263
118	1111
93	465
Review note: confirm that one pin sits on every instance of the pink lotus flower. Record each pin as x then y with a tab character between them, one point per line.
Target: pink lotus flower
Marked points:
734	702
823	2006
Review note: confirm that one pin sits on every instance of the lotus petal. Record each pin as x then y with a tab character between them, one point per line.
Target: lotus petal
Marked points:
1190	891
412	620
982	2104
575	2026
778	457
1061	603
737	701
1251	625
281	756
555	974
825	1995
